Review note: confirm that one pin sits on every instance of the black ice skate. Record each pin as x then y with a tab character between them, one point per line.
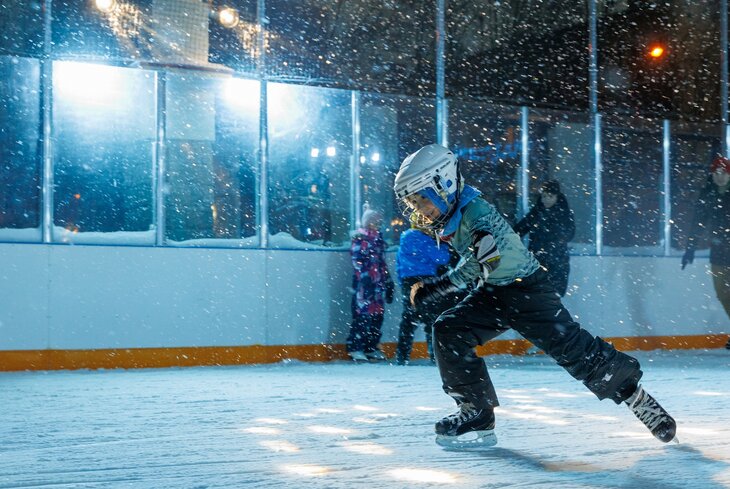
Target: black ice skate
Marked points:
650	412
470	428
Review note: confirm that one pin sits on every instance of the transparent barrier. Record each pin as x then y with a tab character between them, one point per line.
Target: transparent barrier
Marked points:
486	138
561	148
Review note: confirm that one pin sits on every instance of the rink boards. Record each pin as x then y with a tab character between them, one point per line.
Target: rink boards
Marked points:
67	307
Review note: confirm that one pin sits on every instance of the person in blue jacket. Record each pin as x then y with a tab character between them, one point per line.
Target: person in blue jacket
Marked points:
419	257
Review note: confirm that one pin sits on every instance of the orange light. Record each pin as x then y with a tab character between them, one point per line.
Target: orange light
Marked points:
656	52
77	196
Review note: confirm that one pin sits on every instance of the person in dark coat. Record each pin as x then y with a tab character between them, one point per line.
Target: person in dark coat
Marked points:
551	226
372	288
712	219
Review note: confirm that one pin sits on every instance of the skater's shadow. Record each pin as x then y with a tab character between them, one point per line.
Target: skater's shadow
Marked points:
675	467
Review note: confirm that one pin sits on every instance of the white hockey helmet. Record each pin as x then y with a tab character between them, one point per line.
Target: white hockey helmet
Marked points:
433	173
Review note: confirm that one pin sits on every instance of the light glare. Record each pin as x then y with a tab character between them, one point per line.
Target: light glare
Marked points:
228	17
105	6
656	52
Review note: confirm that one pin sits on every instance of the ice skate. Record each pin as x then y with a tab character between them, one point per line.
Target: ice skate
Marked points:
655	417
470	428
376	356
358	356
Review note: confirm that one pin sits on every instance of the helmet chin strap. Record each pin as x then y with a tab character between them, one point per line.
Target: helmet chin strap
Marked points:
442	222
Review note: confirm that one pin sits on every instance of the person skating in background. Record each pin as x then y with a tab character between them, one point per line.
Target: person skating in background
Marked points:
550	226
372	288
513	292
712	220
419	257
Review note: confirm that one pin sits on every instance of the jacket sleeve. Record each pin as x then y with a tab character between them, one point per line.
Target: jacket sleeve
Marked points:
567	229
484	256
526	224
360	251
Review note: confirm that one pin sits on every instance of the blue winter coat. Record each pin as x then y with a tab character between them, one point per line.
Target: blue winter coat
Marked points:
418	255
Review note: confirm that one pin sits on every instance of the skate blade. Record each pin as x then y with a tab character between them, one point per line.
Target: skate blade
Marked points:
472	441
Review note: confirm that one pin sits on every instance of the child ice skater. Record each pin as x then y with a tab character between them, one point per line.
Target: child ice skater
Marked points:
513	292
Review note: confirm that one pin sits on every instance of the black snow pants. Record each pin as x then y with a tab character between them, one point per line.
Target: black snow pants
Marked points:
532	307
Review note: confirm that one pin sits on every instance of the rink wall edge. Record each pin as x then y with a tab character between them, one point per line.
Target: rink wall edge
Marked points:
132	358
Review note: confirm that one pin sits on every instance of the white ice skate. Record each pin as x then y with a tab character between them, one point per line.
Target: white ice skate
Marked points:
469	441
470	428
376	355
358	356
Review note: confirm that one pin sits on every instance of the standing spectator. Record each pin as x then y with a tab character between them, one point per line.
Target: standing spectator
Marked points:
419	257
712	218
551	226
372	287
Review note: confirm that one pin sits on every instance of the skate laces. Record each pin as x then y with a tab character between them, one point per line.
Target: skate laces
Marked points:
648	410
466	411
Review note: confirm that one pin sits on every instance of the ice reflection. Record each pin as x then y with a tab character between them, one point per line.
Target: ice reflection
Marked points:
279	446
329	430
306	470
367	449
423	475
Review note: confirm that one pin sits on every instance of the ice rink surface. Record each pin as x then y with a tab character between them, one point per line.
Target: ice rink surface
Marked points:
340	425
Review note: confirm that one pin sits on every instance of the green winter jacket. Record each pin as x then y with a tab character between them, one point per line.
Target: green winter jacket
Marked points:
515	262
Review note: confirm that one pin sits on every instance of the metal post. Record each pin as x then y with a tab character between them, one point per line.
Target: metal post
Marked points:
160	157
262	211
667	190
593	53
46	87
593	106
355	188
441	121
524	177
598	169
724	76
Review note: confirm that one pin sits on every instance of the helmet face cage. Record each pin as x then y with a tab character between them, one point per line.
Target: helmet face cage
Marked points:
442	197
419	220
431	173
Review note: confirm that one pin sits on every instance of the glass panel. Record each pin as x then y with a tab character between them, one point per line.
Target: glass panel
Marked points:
391	129
234	46
632	185
525	52
694	146
561	148
211	160
20	149
486	139
80	29
388	46
660	59
104	135
310	149
21	27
